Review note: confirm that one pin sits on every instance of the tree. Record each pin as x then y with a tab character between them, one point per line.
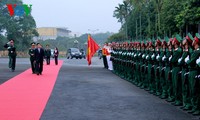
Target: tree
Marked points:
121	13
19	28
162	18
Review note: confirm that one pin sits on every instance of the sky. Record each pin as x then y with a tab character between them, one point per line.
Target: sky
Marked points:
76	15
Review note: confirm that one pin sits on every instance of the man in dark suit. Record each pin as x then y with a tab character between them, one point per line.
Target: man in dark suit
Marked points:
31	52
39	57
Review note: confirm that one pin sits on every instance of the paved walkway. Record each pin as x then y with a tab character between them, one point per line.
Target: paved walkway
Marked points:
94	93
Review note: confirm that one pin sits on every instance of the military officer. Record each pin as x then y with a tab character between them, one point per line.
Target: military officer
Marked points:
32	56
157	66
142	65
137	57
11	53
177	53
187	51
149	64
152	71
193	71
168	70
162	63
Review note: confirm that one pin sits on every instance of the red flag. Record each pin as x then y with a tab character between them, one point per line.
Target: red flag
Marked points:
92	48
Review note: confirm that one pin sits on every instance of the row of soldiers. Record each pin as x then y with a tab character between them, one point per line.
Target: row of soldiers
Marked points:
168	68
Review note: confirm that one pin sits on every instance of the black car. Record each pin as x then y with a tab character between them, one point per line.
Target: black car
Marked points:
100	54
74	53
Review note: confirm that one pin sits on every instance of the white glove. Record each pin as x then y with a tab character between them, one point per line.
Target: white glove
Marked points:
147	57
143	55
164	57
170	58
179	60
187	59
198	60
153	56
157	57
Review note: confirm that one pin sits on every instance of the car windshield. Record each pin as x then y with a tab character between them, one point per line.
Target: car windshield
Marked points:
74	50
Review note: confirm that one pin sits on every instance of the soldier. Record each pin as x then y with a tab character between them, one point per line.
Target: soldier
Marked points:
187	51
143	65
31	52
146	79
149	63
138	59
197	77
128	62
104	56
157	66
162	63
151	69
134	62
168	73
12	54
47	54
193	71
177	53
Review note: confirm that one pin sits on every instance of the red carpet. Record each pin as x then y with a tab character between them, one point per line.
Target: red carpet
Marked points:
25	96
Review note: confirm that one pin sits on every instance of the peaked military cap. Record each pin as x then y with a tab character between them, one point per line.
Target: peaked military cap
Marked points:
197	38
158	41
165	41
177	39
189	38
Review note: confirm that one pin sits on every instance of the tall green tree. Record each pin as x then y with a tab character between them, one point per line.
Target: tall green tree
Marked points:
152	18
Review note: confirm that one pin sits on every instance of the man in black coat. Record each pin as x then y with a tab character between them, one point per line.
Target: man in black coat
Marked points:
12	54
39	57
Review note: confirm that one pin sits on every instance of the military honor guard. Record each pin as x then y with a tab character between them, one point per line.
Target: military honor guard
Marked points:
168	68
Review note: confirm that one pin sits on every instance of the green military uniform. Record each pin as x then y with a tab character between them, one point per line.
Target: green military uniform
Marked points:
145	72
157	67
176	81
184	73
31	52
142	66
168	72
193	71
149	62
198	79
152	71
162	63
137	57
